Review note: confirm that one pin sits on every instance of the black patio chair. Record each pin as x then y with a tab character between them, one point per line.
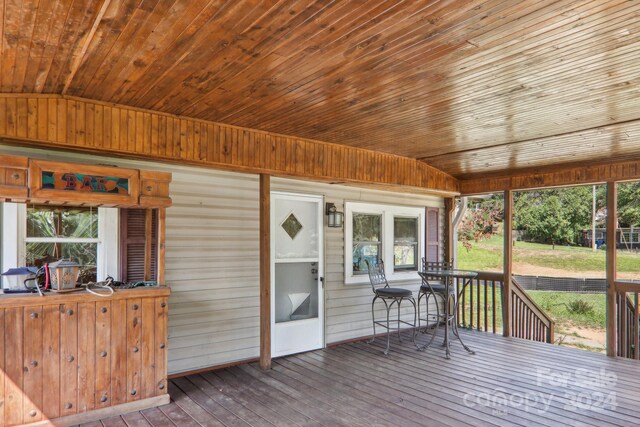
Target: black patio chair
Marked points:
389	296
433	288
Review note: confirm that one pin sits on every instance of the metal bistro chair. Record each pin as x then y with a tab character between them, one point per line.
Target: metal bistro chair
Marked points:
389	296
430	289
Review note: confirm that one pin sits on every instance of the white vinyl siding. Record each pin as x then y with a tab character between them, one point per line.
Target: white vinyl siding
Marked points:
348	307
212	260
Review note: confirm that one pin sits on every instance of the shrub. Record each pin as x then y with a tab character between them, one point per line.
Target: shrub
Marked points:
579	307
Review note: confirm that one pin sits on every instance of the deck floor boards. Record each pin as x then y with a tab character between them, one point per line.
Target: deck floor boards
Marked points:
507	382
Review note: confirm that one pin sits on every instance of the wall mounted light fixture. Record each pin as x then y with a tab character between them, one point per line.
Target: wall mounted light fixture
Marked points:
334	218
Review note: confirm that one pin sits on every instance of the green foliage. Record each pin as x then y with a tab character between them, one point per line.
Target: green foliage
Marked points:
487	256
579	306
554	216
480	220
556	305
629	203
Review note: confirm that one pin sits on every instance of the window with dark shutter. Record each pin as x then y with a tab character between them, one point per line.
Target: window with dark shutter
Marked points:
433	235
133	245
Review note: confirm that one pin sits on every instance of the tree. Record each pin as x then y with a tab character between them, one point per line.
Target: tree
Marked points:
481	220
629	203
554	216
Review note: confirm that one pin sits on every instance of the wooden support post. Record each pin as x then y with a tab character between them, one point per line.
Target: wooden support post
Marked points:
449	244
508	259
265	271
612	222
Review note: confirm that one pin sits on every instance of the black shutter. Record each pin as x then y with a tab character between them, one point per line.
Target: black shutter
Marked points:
132	244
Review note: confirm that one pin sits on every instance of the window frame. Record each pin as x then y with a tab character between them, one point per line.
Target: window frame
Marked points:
14	231
416	244
388	213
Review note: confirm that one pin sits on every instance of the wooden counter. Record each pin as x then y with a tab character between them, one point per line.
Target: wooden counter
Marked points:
72	358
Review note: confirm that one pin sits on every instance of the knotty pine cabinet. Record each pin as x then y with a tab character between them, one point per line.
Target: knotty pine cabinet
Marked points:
63	356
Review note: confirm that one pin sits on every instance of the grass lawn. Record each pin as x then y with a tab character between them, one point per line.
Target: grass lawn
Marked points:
486	255
559	306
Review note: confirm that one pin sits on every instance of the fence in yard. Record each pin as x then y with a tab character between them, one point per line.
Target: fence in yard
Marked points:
562	284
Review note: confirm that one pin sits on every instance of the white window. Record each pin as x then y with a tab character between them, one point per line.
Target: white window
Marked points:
394	234
37	234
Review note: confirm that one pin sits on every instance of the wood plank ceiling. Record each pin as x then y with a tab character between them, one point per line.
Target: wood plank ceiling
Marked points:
471	87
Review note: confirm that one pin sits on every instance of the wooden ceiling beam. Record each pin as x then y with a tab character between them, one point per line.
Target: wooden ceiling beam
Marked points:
99	127
559	176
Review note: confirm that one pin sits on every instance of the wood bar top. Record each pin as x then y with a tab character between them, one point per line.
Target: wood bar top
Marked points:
49	298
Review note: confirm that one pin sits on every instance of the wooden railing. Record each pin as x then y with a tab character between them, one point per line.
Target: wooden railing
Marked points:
481	308
480	305
627	320
528	320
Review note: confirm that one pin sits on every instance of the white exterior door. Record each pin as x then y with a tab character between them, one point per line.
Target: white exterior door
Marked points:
297	273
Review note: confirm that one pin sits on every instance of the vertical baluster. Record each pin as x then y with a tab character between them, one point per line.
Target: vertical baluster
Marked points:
464	308
478	307
471	308
636	332
493	305
514	320
486	305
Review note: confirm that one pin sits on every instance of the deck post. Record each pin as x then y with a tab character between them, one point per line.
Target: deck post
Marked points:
449	243
265	271
508	259
612	222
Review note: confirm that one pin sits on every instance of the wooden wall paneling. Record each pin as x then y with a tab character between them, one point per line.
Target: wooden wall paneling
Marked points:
556	177
119	352
32	118
33	361
134	353
160	343
138	133
51	359
68	359
81	123
12	116
13	366
103	354
148	349
22	111
2	367
86	356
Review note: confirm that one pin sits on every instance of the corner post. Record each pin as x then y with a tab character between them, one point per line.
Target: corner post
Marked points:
507	263
265	271
612	225
449	243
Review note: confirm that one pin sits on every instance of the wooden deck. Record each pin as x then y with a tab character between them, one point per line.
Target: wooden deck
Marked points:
507	382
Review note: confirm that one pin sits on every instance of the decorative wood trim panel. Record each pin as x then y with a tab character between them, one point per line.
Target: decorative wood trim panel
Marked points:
43	181
131	132
40	194
13	177
556	177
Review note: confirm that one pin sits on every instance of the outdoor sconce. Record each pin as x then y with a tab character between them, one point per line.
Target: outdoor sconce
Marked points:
334	218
